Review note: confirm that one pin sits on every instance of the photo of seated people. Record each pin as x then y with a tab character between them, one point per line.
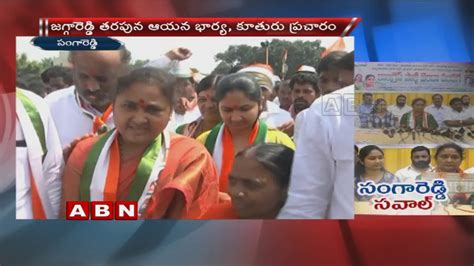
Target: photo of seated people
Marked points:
414	118
188	130
411	166
414	134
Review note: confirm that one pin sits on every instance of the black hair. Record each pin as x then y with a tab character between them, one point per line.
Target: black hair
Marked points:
276	158
243	82
57	72
453	100
125	55
377	102
420	148
369	76
151	76
356	148
417	100
401	96
346	62
450	145
285	82
328	63
33	83
364	152
38	87
208	82
305	78
465	95
367	94
437	94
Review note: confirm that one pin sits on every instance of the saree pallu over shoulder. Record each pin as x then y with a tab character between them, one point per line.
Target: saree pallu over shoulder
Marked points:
219	143
101	172
190	171
186	182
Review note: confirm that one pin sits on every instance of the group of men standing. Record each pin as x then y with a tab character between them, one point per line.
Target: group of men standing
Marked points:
321	183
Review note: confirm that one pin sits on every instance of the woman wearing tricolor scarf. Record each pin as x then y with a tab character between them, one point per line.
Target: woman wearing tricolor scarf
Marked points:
418	118
170	176
239	101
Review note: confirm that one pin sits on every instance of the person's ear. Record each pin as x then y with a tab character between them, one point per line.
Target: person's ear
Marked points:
261	104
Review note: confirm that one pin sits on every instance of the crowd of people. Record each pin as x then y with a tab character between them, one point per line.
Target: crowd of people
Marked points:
419	116
51	79
242	144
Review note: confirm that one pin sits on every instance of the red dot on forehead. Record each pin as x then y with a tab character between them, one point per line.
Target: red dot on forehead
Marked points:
141	102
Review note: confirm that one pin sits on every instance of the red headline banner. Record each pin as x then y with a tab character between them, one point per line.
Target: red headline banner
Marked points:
197	26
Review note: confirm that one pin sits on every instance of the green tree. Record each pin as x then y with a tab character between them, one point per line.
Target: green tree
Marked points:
26	67
21	61
222	68
299	53
47	63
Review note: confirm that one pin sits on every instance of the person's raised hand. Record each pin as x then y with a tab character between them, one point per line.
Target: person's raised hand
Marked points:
179	54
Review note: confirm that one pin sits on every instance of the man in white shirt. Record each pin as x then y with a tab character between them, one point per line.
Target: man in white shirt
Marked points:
186	109
298	121
437	109
304	90
86	107
466	103
322	178
420	163
400	108
284	95
39	159
457	116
